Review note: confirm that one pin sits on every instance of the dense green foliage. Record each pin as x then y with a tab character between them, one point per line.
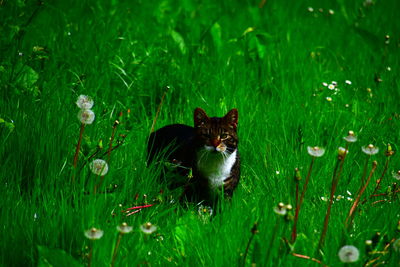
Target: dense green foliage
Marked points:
269	62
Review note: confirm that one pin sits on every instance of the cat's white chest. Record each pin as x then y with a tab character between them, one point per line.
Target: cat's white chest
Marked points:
216	167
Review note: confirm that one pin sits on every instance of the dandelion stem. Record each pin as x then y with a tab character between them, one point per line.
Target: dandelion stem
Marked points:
110	146
353	208
274	233
328	211
78	146
381	178
307	258
90	255
254	231
365	170
298	204
116	250
335	182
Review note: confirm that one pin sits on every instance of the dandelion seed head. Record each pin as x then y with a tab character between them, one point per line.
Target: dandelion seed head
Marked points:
370	149
348	254
124	228
86	116
148	228
94	233
280	209
396	175
342	152
84	102
351	138
99	167
315	151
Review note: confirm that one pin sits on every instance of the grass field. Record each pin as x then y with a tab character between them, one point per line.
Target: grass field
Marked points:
268	60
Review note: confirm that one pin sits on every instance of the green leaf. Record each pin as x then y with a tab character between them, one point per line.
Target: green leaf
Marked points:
179	41
55	257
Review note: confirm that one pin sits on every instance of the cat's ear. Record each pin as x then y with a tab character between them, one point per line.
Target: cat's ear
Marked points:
232	118
200	117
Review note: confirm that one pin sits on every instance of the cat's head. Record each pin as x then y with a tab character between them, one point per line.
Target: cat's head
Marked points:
217	134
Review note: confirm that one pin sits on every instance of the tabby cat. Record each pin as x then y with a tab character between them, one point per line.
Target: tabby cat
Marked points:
206	153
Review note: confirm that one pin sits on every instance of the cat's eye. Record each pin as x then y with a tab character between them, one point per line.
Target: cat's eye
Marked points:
223	136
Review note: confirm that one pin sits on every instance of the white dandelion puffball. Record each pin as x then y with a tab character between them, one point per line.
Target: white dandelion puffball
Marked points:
99	167
148	228
86	116
124	228
370	149
349	254
94	233
396	175
315	151
84	102
351	138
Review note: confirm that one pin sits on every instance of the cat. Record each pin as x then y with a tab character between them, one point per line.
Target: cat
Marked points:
207	154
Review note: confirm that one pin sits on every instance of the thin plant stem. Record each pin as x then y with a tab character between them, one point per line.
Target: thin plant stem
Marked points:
78	146
335	182
365	170
159	109
328	211
90	254
381	178
308	258
274	233
116	250
298	206
254	231
353	208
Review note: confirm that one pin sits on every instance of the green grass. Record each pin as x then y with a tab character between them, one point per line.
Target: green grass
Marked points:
123	54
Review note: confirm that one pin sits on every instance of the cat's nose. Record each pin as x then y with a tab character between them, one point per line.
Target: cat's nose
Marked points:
215	142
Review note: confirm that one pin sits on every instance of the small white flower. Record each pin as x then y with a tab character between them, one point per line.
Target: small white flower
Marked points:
99	167
329	99
20	54
205	211
349	199
339	197
94	234
334	83
396	245
84	102
348	192
331	87
370	149
324	199
396	175
86	116
148	228
325	84
347	82
331	12
310	9
124	228
280	209
315	151
277	172
368	242
389	68
349	254
351	138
